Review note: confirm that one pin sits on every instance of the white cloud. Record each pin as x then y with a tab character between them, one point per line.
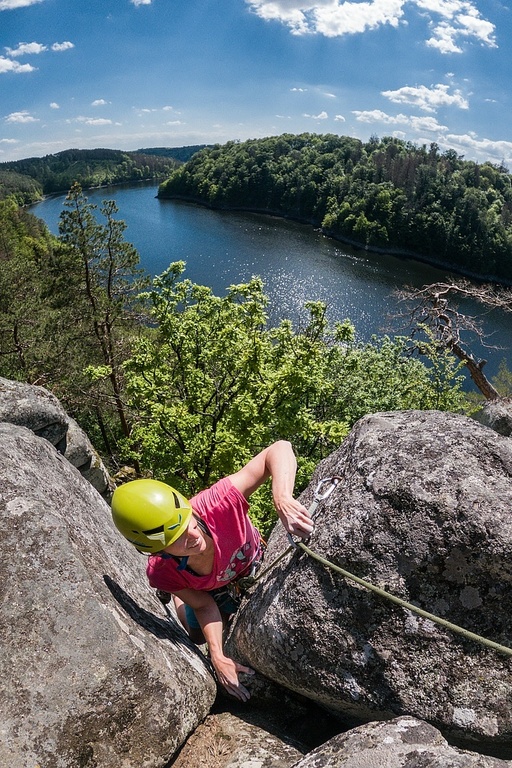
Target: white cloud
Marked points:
54	105
374	116
92	120
8	65
470	145
427	99
9	5
8	141
444	39
99	103
298	90
322	116
21	117
417	123
24	49
351	17
426	124
340	119
141	2
450	19
500	149
65	46
143	111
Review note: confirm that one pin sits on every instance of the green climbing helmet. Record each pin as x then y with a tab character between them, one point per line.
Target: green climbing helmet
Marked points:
150	514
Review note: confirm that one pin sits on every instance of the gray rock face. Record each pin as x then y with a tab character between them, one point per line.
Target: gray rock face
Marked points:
226	741
93	675
497	414
37	409
423	511
401	743
80	452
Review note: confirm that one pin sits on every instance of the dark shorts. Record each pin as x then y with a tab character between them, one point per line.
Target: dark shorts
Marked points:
226	604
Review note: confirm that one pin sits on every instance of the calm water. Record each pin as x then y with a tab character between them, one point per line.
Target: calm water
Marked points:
296	263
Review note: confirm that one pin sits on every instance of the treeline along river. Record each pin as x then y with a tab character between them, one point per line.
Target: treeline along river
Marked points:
295	262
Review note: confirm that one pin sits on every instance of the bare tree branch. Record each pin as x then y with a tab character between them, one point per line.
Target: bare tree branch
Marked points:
436	307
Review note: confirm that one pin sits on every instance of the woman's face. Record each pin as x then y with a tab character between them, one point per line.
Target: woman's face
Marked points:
191	542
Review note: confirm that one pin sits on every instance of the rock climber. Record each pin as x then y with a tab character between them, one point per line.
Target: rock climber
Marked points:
198	547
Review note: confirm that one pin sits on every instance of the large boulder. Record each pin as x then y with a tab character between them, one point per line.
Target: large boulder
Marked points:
423	510
400	743
34	407
224	740
94	675
497	414
80	452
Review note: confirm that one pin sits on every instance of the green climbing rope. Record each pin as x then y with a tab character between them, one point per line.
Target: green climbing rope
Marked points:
409	606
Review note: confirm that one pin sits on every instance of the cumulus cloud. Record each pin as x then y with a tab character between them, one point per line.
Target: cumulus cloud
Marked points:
8	65
93	120
141	2
500	149
143	111
453	21
98	103
418	123
24	49
9	5
427	99
339	119
331	18
21	117
65	46
54	105
322	116
8	141
350	18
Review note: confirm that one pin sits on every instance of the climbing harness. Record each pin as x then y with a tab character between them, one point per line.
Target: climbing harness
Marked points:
319	497
322	492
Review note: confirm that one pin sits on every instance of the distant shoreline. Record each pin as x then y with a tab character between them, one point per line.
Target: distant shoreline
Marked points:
399	253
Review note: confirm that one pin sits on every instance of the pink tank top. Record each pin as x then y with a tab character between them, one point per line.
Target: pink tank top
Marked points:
236	542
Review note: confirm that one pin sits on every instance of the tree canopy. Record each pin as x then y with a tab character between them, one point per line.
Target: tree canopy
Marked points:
212	383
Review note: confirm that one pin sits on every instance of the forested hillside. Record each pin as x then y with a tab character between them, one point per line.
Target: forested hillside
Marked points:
385	193
28	180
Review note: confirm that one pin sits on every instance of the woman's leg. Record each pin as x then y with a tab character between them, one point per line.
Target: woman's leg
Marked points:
188	619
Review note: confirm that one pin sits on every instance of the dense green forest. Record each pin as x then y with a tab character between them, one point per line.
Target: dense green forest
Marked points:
28	180
178	153
385	193
175	382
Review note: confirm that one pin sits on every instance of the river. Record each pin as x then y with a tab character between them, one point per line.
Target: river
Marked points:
295	262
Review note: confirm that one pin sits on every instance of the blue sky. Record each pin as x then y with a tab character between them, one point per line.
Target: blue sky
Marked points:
127	74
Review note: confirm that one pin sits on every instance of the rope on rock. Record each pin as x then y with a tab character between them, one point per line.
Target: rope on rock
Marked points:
322	492
409	606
